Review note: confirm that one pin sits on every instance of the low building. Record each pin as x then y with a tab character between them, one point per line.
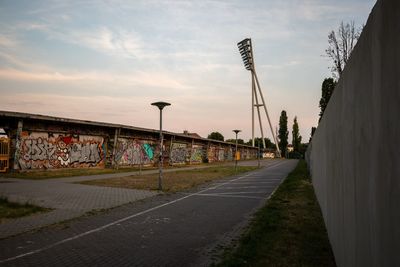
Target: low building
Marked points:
45	142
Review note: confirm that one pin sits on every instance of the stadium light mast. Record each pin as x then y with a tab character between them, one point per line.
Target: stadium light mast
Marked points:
246	51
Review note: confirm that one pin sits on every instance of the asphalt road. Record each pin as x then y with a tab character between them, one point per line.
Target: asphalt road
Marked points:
184	229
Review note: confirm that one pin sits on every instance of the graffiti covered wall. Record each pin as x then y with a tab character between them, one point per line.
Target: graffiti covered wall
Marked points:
179	153
52	150
197	154
212	153
221	154
229	154
45	142
134	152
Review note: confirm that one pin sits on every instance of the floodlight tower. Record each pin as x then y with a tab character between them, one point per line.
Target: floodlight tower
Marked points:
246	51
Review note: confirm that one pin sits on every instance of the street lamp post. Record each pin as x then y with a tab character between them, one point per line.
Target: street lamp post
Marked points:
160	105
236	156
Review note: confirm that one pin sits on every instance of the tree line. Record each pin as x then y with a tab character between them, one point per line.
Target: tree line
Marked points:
283	135
340	45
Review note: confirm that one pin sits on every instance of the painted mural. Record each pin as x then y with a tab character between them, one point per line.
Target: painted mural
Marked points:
52	150
246	154
212	153
221	154
44	150
197	154
134	152
216	153
229	154
179	153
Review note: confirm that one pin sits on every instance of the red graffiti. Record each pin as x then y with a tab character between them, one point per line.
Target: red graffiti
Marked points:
67	139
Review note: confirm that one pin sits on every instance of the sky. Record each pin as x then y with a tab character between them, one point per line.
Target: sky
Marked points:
109	60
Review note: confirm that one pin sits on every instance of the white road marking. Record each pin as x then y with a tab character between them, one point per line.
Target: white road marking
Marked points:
234	193
240	183
247	181
244	187
243	192
124	219
218	195
263	179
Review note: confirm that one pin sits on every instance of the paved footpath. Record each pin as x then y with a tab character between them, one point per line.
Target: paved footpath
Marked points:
183	229
68	199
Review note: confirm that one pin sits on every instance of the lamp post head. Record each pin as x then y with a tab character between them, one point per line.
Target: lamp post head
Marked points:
160	104
237	131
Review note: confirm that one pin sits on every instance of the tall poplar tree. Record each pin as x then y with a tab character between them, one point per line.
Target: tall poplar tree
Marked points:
283	133
296	137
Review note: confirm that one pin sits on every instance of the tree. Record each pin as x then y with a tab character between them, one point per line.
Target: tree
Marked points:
341	44
313	129
296	137
240	141
258	141
216	136
328	85
283	133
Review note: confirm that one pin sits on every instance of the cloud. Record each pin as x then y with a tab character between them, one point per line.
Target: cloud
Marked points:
17	63
119	43
138	78
314	10
7	41
106	40
78	107
11	74
281	66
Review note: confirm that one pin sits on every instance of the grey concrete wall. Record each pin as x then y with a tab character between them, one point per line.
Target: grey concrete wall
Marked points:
354	157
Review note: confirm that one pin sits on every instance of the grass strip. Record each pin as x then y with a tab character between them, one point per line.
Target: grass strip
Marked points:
43	174
288	231
172	181
10	210
50	174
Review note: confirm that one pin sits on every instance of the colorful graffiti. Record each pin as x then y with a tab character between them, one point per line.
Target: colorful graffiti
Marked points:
221	154
148	149
217	154
197	154
179	153
245	154
212	154
229	154
43	150
134	152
